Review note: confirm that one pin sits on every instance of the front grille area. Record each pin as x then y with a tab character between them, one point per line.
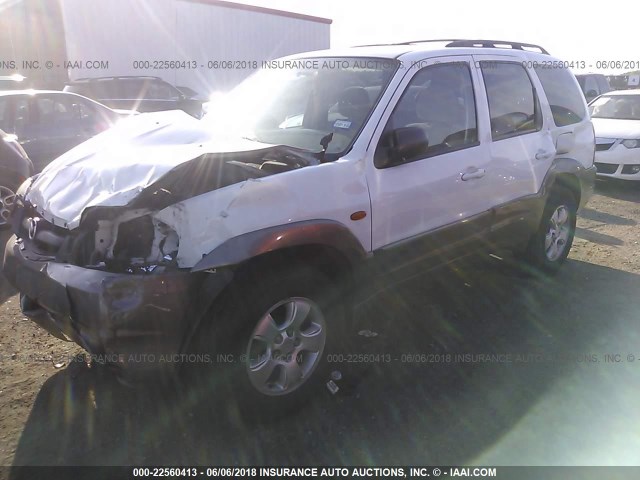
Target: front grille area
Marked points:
608	168
603	146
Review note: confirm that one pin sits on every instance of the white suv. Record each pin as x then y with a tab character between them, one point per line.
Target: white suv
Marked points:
243	233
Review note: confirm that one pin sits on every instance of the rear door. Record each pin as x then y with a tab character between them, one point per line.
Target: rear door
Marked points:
521	146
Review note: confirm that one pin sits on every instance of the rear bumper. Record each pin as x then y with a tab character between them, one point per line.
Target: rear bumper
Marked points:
138	322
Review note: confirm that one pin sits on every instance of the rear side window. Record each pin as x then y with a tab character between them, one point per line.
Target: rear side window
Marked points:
513	104
565	100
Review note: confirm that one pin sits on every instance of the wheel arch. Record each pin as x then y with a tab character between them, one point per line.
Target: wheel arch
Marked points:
326	244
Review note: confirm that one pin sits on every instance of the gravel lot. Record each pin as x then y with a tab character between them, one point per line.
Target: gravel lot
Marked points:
577	409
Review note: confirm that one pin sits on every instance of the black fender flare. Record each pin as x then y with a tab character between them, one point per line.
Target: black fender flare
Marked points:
583	178
326	233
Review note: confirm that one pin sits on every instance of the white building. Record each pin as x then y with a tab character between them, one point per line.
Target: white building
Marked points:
203	44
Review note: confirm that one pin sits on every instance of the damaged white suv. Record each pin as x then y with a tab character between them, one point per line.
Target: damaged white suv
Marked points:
243	233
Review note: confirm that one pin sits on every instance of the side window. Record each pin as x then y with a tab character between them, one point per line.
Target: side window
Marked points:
132	89
565	98
436	114
56	111
513	105
161	91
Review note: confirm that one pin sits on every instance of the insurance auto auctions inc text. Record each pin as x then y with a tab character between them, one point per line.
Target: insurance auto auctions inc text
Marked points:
381	472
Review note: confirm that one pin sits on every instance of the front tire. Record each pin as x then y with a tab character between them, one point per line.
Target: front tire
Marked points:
278	325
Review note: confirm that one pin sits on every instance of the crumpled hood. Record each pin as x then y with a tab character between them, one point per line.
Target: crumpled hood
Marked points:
615	128
113	167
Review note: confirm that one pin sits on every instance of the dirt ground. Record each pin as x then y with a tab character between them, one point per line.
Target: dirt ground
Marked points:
607	236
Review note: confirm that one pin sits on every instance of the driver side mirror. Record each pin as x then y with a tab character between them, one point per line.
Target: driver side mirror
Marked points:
591	94
401	145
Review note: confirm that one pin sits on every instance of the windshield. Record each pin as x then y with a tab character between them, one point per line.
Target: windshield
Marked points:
304	103
622	107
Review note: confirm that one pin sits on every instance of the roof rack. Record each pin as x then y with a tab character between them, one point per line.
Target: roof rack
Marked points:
460	42
409	43
484	44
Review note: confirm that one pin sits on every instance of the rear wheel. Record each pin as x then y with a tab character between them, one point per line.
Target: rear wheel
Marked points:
550	245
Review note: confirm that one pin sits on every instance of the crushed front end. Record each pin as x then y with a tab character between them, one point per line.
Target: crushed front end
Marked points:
135	314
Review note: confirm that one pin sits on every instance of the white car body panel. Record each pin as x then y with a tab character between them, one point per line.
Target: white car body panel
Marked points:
330	191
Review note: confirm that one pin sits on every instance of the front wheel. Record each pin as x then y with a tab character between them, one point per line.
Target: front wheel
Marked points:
278	325
550	245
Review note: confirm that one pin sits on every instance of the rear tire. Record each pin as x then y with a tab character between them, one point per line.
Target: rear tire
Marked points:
550	245
274	328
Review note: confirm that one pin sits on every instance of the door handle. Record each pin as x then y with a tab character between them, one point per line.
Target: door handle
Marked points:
543	155
473	174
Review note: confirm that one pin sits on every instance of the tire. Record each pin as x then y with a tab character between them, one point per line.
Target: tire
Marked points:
550	244
7	195
277	327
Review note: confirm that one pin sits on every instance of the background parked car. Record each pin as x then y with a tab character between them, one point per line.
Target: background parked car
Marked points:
15	168
144	94
593	84
616	121
49	123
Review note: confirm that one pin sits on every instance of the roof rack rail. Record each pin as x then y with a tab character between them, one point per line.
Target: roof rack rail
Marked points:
432	40
460	42
497	44
409	43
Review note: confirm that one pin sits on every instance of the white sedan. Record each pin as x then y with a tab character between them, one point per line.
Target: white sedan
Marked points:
616	120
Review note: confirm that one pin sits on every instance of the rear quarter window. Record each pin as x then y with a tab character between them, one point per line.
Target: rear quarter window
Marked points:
565	99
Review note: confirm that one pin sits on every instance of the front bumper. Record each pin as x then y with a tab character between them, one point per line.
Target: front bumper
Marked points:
135	321
618	161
